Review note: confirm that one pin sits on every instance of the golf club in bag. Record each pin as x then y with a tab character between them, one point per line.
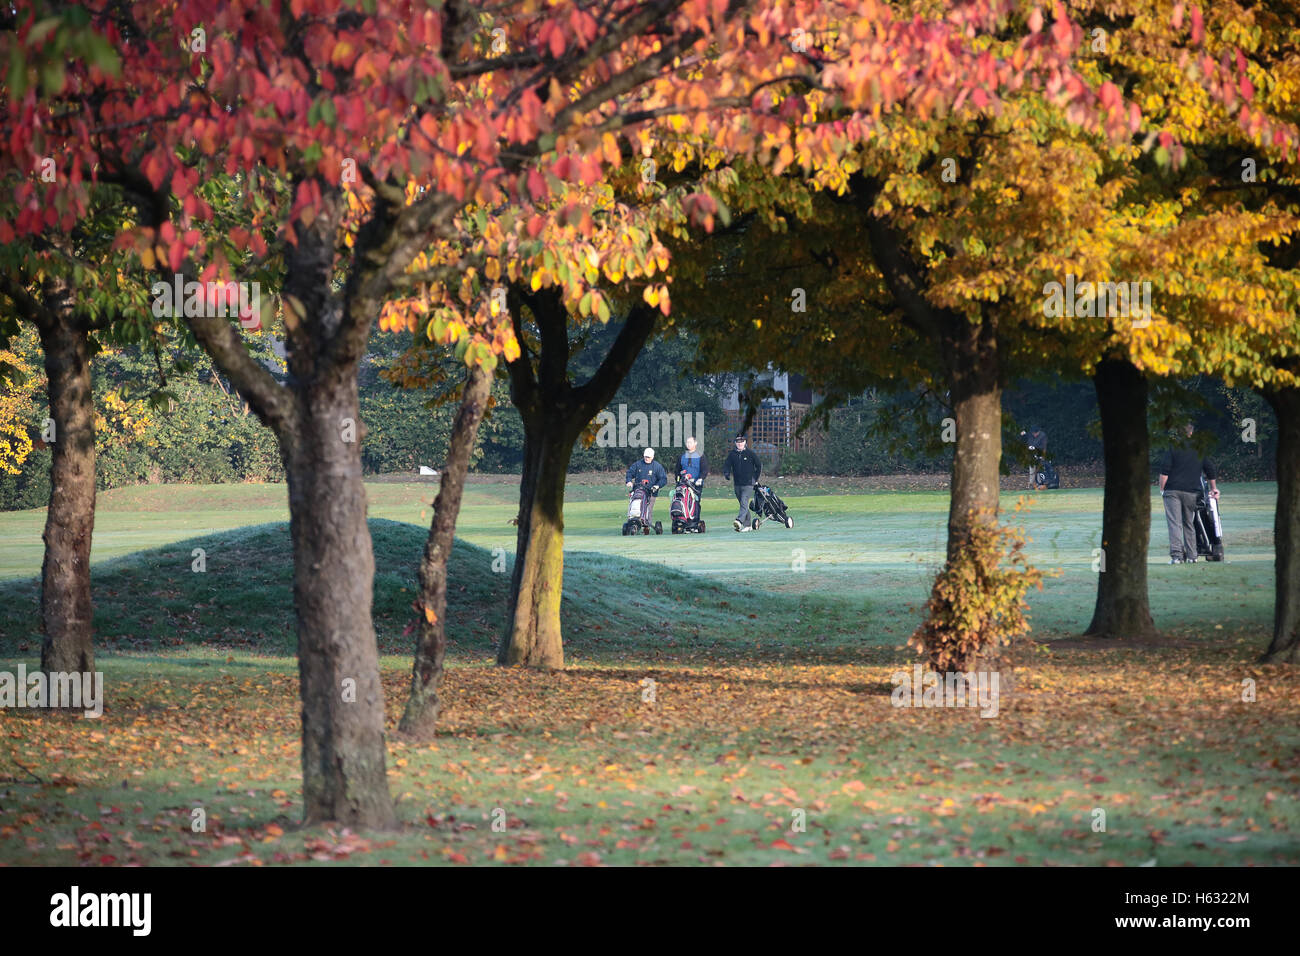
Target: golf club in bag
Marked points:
1209	529
685	509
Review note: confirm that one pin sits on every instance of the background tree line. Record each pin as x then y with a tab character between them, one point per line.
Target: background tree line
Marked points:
207	435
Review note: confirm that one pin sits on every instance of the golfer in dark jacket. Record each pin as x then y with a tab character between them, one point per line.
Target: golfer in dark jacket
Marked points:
647	469
1180	484
743	468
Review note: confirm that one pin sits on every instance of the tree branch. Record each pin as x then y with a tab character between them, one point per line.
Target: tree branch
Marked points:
596	393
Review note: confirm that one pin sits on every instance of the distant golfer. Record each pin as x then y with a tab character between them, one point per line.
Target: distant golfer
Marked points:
1180	483
693	463
743	468
1037	442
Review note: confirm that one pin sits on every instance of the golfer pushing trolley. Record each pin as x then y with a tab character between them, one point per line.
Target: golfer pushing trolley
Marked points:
744	469
644	479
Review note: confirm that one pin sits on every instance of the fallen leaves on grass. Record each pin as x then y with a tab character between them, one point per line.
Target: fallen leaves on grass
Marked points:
734	762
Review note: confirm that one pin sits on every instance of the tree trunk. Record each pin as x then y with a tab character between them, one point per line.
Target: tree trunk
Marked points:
422	707
969	352
554	414
66	609
1285	646
343	752
1123	609
533	636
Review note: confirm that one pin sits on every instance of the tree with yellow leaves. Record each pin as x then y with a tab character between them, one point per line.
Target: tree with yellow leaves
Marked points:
17	386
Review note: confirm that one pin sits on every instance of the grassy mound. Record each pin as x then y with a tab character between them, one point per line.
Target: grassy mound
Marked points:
153	599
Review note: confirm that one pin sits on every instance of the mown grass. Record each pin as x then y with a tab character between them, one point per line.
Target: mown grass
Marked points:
771	700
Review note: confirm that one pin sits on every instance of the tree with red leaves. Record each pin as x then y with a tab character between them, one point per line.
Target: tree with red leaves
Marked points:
395	150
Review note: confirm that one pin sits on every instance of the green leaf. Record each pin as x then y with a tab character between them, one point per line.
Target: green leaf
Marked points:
100	53
42	29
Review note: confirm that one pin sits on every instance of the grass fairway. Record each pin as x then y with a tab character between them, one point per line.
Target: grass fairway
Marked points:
770	737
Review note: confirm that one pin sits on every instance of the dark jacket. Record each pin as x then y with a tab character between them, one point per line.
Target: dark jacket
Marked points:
742	467
693	464
1184	466
640	470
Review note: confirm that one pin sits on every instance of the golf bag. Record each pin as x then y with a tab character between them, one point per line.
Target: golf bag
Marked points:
640	509
766	505
685	509
1209	530
1045	476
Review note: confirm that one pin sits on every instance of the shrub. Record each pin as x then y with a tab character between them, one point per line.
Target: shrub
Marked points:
977	603
803	463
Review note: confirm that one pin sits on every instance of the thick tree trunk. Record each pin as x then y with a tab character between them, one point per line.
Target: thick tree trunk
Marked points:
554	413
1285	646
423	705
343	752
533	636
66	609
970	356
1123	609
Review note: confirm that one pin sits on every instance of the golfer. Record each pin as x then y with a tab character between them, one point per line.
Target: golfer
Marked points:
743	468
1180	484
1037	442
647	469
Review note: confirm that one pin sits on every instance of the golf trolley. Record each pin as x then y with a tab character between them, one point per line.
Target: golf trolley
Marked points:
640	508
766	505
685	509
1045	476
1209	529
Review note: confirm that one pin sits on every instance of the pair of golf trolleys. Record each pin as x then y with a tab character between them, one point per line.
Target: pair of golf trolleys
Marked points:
685	509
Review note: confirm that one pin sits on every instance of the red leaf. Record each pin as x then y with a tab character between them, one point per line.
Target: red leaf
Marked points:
537	186
557	40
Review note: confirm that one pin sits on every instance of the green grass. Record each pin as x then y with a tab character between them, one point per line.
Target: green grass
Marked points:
868	560
772	696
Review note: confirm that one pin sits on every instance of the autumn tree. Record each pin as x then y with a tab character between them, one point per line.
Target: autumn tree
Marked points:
17	385
483	111
827	103
968	222
1220	84
75	292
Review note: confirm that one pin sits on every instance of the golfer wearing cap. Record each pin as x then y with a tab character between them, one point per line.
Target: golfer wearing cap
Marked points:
647	469
743	468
